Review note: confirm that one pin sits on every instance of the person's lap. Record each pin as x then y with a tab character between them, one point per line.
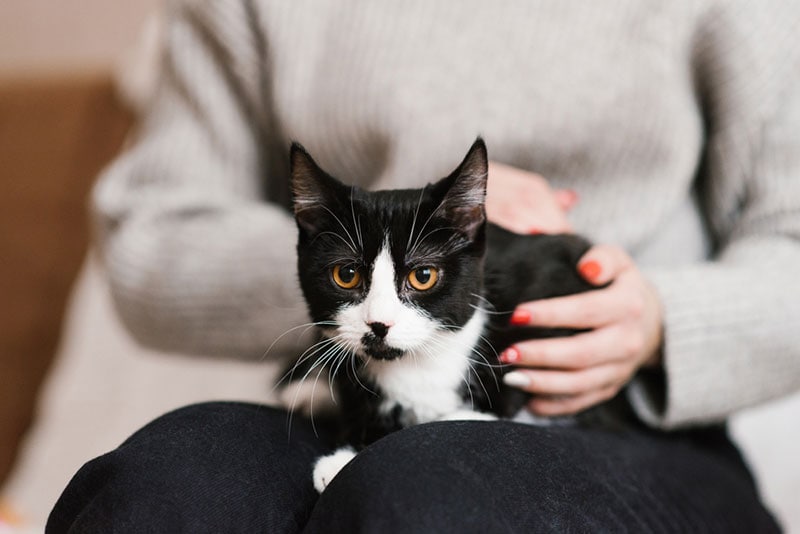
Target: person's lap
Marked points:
229	467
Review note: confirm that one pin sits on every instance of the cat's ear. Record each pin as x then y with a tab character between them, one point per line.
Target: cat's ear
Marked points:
464	202
312	189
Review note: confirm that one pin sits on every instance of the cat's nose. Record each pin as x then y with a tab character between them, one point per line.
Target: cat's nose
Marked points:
379	329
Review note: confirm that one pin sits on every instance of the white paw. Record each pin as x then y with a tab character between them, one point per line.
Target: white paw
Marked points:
329	466
526	417
468	415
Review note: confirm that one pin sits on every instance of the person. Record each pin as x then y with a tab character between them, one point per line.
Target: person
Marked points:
676	124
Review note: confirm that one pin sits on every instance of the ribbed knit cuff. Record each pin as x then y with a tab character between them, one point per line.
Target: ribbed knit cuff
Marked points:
701	319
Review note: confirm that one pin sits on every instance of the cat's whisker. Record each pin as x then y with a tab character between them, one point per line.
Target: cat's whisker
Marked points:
489	312
482	299
337	361
418	243
345	354
483	304
289	374
474	350
329	232
322	363
293	404
469	386
342	225
355	373
416	215
465	379
483	386
416	361
489	344
341	260
440	344
309	353
484	363
356	225
487	306
307	327
453	328
322	368
482	358
325	345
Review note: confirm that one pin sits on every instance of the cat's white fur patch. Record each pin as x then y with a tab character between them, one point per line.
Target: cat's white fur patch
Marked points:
382	304
409	327
426	380
327	467
468	415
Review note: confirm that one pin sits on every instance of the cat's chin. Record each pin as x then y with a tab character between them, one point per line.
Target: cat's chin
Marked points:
383	353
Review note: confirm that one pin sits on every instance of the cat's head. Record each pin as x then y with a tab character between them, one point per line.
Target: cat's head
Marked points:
386	273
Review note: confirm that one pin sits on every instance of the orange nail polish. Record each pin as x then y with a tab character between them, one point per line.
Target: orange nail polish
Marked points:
573	196
520	317
590	270
510	355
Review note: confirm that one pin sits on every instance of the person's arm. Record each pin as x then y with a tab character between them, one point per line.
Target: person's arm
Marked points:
728	336
731	336
198	263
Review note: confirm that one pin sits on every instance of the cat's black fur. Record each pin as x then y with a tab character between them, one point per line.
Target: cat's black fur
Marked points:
480	261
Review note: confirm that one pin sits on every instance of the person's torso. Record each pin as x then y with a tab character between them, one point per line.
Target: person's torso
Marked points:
594	96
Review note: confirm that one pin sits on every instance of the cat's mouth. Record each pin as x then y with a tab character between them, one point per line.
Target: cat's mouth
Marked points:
377	348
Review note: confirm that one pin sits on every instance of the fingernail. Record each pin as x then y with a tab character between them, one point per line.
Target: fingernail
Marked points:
510	355
516	379
573	196
590	270
535	231
520	317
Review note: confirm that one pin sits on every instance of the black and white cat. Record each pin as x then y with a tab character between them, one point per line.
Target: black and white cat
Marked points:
413	291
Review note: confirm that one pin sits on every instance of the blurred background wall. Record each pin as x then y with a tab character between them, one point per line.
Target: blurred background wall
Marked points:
60	122
37	35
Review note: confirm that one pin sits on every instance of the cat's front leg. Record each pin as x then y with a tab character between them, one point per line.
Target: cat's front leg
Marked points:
327	467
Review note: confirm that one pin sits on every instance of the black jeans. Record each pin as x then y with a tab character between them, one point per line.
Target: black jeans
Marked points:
230	467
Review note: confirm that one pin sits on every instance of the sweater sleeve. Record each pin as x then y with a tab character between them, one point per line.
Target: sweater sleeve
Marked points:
731	336
197	261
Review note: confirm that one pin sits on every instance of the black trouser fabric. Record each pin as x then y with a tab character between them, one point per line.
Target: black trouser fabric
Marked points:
233	467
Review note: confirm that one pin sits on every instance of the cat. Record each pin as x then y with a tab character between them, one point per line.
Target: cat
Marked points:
412	291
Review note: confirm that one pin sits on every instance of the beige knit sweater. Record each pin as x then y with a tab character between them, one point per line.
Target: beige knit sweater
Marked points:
677	122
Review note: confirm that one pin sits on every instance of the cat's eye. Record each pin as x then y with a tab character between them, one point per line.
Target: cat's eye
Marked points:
346	276
423	278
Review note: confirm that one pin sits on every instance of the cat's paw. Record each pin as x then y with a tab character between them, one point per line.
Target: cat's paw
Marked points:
329	466
468	415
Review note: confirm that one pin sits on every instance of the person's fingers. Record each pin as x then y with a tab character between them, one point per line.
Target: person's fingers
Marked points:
603	263
583	310
567	383
566	198
588	349
555	406
524	202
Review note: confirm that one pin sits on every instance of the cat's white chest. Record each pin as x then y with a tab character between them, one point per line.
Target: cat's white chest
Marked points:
427	383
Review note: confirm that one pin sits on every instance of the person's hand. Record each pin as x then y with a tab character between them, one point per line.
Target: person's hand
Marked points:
524	203
570	374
